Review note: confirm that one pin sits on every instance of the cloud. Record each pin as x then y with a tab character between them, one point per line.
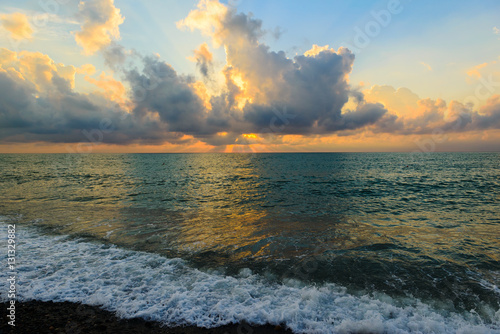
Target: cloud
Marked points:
262	83
207	19
400	102
115	56
112	89
88	69
158	89
489	115
427	66
410	115
474	72
262	92
37	68
277	33
203	58
18	25
38	103
315	50
312	89
496	31
100	24
485	71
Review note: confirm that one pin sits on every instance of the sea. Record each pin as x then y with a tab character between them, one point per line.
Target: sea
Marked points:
315	242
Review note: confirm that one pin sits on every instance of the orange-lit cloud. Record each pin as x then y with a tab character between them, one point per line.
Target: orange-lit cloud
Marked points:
401	101
264	101
208	19
18	25
39	104
100	24
260	82
202	92
37	68
315	50
203	59
87	69
113	90
474	72
202	53
477	71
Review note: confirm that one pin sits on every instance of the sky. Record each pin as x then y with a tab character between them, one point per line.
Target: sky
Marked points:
121	76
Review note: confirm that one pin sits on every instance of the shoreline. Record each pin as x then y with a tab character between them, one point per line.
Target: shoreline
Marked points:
66	317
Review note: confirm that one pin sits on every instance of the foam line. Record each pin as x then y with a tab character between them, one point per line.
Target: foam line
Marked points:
151	286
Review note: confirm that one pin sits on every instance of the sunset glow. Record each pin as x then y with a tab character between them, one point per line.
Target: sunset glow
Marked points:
237	76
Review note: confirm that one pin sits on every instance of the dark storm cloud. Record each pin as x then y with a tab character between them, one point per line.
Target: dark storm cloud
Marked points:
365	114
14	97
303	95
65	116
158	89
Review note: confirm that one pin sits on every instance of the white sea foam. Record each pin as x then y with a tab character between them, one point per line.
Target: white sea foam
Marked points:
139	284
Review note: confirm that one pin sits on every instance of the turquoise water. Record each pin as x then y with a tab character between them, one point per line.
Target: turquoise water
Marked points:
387	242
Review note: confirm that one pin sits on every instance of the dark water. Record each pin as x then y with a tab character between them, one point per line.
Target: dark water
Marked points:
385	242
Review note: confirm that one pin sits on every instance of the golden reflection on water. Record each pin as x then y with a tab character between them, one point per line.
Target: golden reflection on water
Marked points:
228	232
204	203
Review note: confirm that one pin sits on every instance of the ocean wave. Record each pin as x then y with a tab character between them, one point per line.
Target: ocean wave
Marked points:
154	287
